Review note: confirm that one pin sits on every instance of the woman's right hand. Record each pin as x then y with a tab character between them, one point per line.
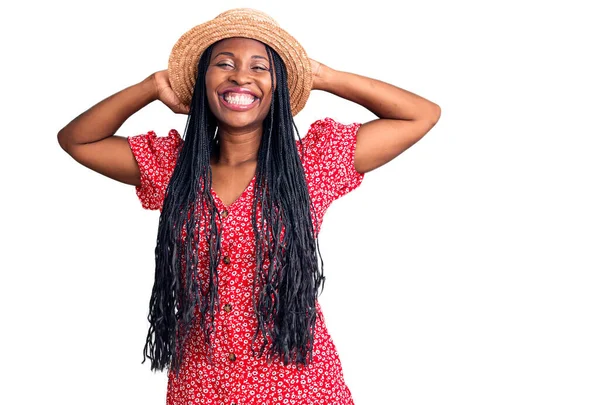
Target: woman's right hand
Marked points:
167	95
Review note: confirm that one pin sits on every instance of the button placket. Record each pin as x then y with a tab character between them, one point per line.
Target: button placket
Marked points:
227	261
227	307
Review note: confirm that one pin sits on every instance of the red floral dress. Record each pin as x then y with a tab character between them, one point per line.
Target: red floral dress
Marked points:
236	376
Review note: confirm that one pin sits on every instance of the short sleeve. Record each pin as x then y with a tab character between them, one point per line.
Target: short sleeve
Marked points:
330	146
156	157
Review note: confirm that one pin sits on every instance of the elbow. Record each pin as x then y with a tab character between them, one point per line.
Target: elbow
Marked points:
430	113
435	114
63	141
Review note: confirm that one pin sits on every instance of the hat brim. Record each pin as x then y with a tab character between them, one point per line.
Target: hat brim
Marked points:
183	61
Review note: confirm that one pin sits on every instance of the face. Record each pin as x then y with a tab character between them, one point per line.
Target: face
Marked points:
238	83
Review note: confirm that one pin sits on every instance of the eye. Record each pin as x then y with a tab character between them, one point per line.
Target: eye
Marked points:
262	68
225	65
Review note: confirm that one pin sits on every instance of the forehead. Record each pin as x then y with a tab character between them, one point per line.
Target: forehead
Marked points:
240	47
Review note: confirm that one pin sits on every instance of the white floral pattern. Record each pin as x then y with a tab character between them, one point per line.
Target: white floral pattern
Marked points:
236	376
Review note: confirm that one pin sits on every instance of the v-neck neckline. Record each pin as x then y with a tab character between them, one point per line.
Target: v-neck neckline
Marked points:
238	200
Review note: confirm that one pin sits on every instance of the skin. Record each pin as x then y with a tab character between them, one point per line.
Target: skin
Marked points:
403	118
237	62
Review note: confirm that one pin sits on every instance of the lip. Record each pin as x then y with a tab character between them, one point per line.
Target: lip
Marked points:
243	90
238	107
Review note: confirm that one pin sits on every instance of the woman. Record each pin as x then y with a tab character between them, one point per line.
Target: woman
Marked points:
234	310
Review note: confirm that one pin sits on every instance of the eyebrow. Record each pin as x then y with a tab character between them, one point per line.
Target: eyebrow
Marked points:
232	55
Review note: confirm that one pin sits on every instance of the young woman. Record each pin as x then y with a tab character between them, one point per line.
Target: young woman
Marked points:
234	311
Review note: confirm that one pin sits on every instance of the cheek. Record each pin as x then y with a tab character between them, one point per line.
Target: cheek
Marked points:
208	85
266	104
211	80
211	93
267	91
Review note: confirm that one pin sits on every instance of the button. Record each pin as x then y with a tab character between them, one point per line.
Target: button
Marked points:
225	213
227	307
226	260
232	356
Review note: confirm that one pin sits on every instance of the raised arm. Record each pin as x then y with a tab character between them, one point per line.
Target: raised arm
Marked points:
404	117
90	138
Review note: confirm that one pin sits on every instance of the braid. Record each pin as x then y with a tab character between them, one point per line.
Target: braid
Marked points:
177	292
286	305
287	278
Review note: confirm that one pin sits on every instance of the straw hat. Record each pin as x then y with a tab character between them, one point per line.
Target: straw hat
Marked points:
247	23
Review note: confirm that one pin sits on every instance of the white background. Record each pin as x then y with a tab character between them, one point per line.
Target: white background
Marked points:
463	272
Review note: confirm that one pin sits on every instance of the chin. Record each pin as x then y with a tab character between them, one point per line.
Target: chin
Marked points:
236	119
239	121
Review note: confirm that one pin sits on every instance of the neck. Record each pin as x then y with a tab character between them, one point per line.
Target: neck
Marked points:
237	146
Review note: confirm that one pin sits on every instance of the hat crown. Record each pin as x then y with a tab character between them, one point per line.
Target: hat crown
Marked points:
247	13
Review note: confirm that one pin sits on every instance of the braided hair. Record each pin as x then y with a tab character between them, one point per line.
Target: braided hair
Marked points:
289	266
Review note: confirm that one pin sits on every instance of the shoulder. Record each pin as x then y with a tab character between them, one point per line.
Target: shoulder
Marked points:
152	141
156	157
327	137
326	126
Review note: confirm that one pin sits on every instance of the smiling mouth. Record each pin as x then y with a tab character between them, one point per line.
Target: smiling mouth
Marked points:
238	101
239	98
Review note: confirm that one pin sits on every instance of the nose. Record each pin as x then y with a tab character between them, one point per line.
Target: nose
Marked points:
239	76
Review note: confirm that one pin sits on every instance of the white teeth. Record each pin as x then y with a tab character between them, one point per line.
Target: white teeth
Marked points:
239	99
